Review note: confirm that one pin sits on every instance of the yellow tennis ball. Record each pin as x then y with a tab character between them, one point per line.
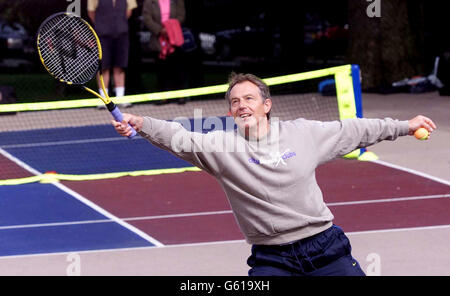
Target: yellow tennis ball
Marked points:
421	134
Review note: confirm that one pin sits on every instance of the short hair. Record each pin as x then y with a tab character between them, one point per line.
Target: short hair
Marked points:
236	78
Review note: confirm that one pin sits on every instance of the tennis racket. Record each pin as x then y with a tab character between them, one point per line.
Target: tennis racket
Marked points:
70	50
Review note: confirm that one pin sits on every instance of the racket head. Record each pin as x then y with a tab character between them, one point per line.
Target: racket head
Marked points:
69	48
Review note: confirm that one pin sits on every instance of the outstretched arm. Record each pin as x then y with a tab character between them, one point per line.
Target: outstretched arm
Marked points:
173	137
337	138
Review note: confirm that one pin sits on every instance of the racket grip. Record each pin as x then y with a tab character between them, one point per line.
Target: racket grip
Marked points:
119	117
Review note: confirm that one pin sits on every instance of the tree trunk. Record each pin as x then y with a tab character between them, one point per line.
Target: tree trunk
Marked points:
388	47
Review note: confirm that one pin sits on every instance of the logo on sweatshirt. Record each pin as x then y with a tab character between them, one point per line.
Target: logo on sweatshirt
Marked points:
274	158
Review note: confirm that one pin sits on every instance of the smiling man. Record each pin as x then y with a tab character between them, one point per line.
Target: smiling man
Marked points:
271	184
250	104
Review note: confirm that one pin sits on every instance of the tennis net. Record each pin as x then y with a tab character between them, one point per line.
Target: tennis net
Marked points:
74	140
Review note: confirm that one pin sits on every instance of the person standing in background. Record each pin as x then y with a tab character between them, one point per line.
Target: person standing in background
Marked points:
170	70
110	19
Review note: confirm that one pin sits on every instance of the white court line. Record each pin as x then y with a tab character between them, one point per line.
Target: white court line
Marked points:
179	215
109	215
346	203
411	171
19	162
196	214
347	233
424	228
55	224
70	142
123	219
398	229
86	201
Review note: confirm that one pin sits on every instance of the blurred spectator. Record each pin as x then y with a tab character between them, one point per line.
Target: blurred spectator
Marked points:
110	18
171	74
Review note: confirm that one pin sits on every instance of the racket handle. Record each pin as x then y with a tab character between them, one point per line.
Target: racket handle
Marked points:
119	117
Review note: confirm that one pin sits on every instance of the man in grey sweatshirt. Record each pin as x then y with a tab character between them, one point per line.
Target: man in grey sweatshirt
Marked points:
267	169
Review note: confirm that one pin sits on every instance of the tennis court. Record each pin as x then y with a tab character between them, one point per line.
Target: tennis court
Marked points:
163	222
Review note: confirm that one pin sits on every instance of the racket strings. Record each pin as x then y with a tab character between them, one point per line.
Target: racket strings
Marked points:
72	59
65	49
69	49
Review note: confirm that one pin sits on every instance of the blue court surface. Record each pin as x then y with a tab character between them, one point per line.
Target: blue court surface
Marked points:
77	151
87	150
46	218
41	218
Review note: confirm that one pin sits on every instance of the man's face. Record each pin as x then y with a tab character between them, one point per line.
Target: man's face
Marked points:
247	106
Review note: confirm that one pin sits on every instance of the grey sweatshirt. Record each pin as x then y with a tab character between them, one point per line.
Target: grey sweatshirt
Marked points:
270	183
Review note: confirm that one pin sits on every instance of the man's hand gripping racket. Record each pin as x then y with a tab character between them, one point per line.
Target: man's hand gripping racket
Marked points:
71	52
129	123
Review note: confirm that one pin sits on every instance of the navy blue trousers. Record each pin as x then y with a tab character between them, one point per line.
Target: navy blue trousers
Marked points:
327	253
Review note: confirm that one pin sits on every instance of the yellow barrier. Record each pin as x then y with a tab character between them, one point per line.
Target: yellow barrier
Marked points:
52	177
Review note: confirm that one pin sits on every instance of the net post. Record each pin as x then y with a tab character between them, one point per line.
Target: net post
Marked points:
356	78
345	93
347	96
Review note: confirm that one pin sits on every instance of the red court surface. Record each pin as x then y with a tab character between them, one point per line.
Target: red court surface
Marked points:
11	170
191	207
